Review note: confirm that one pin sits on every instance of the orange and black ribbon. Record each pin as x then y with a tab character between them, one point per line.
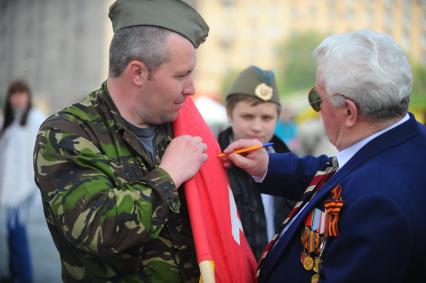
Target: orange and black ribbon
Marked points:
333	207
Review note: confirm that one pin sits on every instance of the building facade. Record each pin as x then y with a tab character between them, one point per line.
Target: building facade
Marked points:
245	32
61	47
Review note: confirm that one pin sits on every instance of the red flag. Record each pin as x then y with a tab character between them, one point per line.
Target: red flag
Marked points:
216	226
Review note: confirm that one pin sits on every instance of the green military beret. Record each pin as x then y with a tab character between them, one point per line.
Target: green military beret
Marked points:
258	83
174	15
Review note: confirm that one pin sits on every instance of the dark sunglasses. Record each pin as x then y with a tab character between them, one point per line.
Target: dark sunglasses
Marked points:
314	99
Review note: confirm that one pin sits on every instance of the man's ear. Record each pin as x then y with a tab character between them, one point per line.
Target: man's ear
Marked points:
351	113
137	72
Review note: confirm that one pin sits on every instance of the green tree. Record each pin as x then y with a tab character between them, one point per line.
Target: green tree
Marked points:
296	69
418	98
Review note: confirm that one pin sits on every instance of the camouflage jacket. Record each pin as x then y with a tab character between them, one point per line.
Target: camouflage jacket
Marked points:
114	215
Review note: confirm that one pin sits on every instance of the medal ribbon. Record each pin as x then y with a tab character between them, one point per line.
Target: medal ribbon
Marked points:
333	207
321	176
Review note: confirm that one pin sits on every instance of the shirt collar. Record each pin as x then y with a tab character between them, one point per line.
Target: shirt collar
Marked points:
346	154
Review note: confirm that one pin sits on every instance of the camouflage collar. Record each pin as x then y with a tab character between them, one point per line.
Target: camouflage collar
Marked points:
108	105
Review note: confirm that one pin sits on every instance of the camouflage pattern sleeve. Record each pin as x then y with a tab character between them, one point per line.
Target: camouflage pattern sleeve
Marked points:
98	205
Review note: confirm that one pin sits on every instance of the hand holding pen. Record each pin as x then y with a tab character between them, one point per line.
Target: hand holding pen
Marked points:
247	149
254	161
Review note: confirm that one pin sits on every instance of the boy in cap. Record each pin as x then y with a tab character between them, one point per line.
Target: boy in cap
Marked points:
253	107
109	169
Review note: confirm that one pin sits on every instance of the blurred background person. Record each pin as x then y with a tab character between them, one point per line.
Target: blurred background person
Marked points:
286	129
253	108
313	140
17	186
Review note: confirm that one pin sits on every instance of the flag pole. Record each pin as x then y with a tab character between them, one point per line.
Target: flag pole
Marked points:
207	272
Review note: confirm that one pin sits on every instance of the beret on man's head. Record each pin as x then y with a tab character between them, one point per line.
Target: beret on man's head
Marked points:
256	82
174	15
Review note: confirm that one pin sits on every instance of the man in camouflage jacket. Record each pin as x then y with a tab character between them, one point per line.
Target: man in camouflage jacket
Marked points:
112	203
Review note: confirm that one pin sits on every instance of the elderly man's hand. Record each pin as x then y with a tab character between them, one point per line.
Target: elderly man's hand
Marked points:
254	162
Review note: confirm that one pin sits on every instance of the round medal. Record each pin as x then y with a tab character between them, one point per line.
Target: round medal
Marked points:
315	278
308	262
317	265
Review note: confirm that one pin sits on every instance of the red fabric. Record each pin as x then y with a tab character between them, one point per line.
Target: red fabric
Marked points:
209	204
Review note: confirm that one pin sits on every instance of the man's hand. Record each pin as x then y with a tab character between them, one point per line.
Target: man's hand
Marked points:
254	163
183	158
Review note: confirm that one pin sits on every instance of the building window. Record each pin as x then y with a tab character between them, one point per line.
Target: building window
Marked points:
389	2
423	41
423	59
388	19
405	41
369	17
228	3
273	32
226	42
311	11
254	11
350	15
295	12
331	9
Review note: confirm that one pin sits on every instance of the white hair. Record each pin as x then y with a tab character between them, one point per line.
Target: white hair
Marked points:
370	69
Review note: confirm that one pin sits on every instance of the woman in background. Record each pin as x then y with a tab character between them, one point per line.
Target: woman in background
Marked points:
17	137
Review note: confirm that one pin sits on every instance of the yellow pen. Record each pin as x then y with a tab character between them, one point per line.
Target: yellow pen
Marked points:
247	149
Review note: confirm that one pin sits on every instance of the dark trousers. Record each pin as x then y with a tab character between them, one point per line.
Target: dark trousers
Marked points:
20	266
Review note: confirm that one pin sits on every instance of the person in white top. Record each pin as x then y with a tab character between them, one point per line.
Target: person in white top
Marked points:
17	186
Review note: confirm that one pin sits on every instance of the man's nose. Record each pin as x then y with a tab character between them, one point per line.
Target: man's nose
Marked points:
189	88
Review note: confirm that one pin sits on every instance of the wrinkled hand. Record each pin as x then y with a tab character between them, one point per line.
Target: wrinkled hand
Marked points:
255	163
183	158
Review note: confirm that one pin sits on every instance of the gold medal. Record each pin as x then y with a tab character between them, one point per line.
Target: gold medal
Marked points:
308	262
317	265
315	278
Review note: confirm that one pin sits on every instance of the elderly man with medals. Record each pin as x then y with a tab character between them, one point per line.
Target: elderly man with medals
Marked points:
360	215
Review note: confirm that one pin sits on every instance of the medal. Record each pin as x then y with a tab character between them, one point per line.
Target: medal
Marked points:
319	226
317	265
315	278
308	262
